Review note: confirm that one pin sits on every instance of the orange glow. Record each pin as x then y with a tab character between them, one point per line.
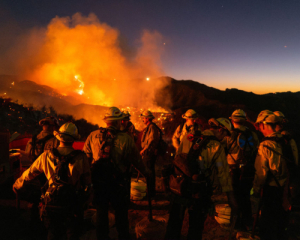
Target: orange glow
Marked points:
80	56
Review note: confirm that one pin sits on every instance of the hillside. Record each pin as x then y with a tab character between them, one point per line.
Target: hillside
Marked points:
178	95
211	102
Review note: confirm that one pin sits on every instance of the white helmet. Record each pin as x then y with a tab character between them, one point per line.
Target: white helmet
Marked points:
113	114
238	116
67	133
267	116
221	123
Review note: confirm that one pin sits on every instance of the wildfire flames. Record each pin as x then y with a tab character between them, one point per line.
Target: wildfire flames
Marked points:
82	57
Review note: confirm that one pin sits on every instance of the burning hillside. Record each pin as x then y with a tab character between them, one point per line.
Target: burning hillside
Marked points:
84	59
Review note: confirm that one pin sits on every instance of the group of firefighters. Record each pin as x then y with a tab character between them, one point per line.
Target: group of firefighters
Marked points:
226	157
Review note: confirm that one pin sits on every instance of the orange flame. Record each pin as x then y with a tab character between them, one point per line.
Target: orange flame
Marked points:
91	51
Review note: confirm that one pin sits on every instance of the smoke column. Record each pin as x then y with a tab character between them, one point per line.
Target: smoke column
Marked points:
83	58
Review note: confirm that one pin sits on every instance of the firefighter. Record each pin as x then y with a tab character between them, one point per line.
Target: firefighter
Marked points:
189	127
111	153
211	171
45	140
128	127
271	176
39	143
241	148
78	177
149	144
280	127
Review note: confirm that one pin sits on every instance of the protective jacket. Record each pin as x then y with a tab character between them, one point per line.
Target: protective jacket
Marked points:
181	132
214	151
267	160
232	148
50	143
150	138
79	170
123	154
131	131
293	144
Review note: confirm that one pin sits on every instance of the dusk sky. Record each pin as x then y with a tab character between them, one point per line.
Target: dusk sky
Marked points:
246	44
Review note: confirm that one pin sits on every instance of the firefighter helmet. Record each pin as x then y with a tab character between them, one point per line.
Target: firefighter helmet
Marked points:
113	114
147	114
67	133
49	120
238	116
267	116
190	114
221	123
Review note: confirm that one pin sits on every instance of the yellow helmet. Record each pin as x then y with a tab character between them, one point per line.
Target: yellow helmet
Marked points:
147	114
67	133
238	116
220	122
190	114
267	116
113	114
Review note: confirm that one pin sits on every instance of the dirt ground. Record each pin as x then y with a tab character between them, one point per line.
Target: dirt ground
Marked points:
16	224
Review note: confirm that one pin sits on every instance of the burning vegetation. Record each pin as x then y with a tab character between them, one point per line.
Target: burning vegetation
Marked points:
82	58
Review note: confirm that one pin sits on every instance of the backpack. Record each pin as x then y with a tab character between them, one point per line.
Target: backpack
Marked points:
292	187
162	145
187	180
246	144
38	145
104	170
61	195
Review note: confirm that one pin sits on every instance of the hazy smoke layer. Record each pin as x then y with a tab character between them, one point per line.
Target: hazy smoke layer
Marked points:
82	57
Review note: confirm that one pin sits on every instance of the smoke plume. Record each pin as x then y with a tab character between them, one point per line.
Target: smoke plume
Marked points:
84	58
